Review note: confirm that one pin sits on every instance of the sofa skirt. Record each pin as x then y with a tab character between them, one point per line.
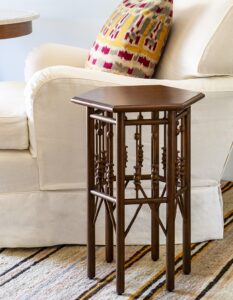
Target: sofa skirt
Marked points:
46	218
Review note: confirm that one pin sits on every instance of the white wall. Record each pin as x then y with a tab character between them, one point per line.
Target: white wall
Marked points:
72	22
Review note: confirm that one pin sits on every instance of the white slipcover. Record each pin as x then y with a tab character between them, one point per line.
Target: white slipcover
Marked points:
52	208
45	104
13	118
56	212
18	174
201	40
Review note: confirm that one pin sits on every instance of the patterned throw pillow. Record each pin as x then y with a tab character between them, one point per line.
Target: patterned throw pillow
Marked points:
132	40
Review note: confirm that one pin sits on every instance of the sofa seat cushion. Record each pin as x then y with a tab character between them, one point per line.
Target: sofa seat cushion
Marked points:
13	118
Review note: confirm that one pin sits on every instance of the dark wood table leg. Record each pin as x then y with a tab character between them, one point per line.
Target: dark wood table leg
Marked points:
90	197
155	188
171	192
110	175
109	234
120	213
187	204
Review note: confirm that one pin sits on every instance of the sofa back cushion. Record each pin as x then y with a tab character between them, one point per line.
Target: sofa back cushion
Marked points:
201	40
131	41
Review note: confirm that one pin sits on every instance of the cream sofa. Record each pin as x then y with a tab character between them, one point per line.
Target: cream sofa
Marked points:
43	154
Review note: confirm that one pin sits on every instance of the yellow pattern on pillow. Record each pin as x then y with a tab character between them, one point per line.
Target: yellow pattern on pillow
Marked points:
131	41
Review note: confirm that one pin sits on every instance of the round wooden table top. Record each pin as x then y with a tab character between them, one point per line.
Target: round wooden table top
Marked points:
15	23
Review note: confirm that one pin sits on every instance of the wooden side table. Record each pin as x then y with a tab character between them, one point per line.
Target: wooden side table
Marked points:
169	123
15	23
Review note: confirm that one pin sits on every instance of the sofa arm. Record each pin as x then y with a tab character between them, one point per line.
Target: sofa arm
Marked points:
57	126
48	55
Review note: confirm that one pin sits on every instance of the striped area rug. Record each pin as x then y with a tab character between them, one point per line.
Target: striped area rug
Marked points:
60	272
